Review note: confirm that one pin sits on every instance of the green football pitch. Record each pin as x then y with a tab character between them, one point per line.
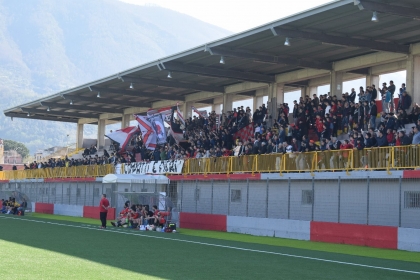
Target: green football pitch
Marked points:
55	247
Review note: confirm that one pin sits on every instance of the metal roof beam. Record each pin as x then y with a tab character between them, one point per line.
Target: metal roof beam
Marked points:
107	101
389	9
173	84
44	118
135	93
298	84
344	41
273	59
56	113
219	72
78	107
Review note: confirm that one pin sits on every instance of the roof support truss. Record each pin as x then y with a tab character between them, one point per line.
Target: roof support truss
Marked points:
304	63
135	93
52	105
343	41
45	118
218	72
388	9
108	101
58	113
173	84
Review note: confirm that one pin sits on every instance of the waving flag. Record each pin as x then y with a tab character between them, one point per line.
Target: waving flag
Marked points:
158	127
245	132
180	116
165	112
147	131
176	131
202	113
123	136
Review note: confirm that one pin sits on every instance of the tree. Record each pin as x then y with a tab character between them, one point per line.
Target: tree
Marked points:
10	145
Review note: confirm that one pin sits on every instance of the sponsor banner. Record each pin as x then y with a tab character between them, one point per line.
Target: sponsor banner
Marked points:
155	167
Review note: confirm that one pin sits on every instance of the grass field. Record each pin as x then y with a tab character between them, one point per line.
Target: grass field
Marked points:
56	247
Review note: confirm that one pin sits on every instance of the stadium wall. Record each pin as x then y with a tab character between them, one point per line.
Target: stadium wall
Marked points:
70	210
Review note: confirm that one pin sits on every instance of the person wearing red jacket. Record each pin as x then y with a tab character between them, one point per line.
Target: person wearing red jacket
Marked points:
103	210
319	126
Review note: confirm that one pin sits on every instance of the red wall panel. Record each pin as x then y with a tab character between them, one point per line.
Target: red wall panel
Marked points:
203	221
411	174
45	208
93	212
362	235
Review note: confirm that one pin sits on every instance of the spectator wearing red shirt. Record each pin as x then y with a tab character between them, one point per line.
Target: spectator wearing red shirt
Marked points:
103	210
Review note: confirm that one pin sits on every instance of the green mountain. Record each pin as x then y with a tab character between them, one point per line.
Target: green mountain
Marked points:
47	46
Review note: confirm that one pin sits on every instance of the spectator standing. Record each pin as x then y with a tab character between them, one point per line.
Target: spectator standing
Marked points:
373	112
405	102
391	89
416	136
103	210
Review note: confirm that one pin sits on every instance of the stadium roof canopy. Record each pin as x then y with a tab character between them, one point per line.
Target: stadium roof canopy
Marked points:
318	37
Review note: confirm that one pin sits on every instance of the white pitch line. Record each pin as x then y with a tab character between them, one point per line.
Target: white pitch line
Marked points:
223	246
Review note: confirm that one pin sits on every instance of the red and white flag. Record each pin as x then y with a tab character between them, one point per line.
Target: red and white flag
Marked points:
123	136
180	116
245	133
147	131
202	113
165	112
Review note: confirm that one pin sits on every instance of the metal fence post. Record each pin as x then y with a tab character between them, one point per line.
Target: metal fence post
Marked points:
266	198
229	197
212	194
36	190
400	203
69	188
156	186
84	201
367	204
62	193
288	200
339	198
77	193
247	196
182	194
196	195
313	197
93	196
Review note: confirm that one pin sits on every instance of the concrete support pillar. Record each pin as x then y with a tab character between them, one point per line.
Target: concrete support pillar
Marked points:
227	102
373	80
413	78
125	122
216	108
275	97
186	109
257	101
310	91
336	84
101	134
79	137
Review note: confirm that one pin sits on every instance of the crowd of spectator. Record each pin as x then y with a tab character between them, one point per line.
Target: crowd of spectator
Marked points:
310	124
314	125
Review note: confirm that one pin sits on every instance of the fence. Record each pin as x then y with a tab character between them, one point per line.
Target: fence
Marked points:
83	171
89	193
384	158
390	202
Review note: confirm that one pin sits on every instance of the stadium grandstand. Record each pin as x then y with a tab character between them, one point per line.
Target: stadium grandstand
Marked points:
346	156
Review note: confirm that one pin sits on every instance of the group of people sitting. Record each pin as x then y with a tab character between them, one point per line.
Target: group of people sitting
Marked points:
12	207
140	217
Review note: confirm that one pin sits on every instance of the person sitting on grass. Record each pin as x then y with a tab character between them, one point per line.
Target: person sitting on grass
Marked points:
3	206
21	209
123	218
134	217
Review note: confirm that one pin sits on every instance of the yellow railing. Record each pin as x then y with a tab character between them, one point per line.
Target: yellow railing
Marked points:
386	158
83	171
